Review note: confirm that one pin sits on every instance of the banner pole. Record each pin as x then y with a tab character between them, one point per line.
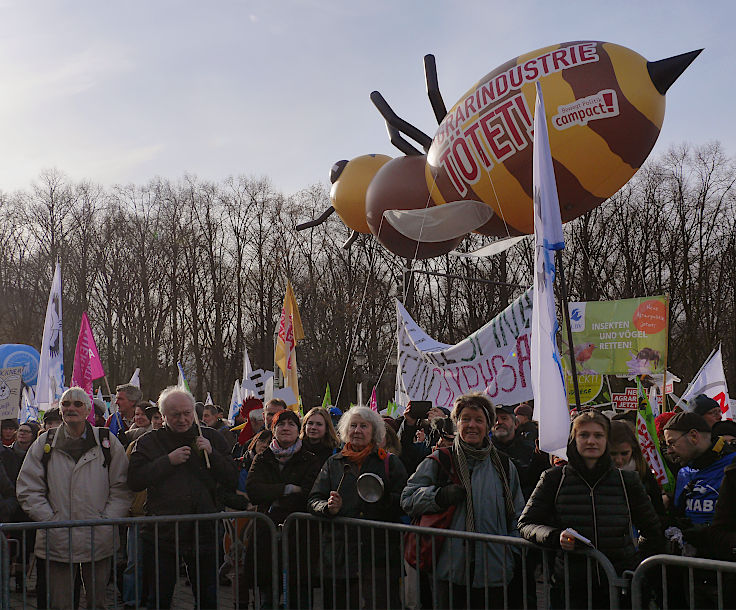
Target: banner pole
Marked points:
107	385
566	314
666	352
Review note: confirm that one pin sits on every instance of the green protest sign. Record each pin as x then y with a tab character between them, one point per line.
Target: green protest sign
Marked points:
626	337
589	386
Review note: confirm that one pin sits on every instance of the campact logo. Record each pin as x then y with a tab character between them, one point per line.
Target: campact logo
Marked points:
577	317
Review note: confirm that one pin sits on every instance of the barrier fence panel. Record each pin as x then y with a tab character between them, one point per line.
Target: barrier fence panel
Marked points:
351	563
684	582
139	561
239	560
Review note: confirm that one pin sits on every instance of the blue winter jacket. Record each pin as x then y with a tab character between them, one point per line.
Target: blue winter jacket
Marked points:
699	482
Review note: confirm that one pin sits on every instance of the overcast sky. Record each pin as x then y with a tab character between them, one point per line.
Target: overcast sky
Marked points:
120	92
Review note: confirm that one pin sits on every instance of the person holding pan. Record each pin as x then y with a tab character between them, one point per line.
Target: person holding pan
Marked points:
362	481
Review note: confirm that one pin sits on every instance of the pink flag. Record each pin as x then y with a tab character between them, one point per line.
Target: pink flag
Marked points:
374	400
82	373
94	355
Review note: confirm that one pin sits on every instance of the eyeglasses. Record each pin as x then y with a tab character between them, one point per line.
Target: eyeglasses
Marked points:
671	444
77	403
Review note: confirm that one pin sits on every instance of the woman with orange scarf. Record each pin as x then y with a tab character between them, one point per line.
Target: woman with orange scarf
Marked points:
356	561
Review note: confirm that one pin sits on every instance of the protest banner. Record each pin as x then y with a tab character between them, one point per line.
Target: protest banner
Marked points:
589	386
628	399
619	337
649	442
11	381
494	359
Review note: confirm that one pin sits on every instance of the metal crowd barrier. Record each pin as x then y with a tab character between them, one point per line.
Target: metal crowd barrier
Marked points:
313	577
303	566
253	582
690	582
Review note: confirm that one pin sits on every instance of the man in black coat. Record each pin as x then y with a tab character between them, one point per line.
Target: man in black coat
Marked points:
529	463
170	464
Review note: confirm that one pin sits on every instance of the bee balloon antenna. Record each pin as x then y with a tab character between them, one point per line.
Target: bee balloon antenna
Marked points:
317	221
433	88
395	137
350	240
400	125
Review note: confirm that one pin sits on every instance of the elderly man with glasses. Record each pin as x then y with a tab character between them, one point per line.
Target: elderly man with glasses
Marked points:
75	472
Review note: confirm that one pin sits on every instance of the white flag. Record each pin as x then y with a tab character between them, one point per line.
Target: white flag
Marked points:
712	382
208	400
247	368
28	412
136	379
235	401
51	368
550	398
248	387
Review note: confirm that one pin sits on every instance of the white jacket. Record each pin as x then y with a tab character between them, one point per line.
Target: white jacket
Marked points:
85	489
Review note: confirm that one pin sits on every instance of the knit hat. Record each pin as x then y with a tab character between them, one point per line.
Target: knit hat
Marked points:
725	426
661	420
525	410
283	416
684	422
702	404
35	428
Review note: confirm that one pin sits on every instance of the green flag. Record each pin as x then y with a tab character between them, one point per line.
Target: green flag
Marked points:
649	442
327	400
392	408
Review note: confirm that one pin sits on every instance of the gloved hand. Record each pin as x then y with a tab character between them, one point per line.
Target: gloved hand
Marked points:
449	495
291	489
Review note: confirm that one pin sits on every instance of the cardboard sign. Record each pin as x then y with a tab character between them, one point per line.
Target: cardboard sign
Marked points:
11	380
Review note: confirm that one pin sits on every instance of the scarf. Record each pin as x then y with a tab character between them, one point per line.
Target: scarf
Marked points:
463	451
357	457
284	455
76	447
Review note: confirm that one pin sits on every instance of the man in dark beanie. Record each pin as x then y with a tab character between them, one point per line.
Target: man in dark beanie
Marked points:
703	459
527	429
707	408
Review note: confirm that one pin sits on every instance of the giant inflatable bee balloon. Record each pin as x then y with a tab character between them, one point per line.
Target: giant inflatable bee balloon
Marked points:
605	107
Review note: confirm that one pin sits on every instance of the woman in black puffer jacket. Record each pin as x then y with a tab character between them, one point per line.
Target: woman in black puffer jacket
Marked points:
279	482
600	502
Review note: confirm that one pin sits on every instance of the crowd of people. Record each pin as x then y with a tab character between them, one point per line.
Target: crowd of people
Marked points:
476	468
